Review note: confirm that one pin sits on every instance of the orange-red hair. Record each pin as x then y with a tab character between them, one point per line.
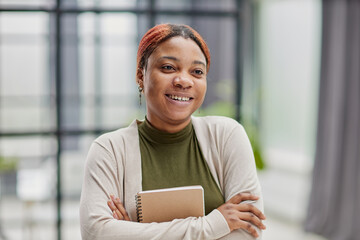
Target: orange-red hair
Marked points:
160	33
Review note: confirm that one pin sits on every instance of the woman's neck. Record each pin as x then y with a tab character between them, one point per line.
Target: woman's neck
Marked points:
169	126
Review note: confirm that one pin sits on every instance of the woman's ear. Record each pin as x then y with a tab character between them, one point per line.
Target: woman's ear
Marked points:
140	77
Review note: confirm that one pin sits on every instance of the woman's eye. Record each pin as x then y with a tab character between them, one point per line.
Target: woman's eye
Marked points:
198	72
167	67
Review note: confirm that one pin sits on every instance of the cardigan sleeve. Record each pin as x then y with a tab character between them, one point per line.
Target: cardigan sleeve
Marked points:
239	172
102	178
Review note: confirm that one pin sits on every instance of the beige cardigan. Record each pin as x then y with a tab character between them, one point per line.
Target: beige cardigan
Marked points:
113	166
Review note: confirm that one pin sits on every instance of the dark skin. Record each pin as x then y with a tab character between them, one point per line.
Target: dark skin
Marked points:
238	215
171	71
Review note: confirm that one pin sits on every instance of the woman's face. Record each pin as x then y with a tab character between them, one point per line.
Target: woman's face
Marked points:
174	83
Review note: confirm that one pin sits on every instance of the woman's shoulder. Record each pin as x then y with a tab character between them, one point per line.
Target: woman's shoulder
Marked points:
214	122
216	127
118	135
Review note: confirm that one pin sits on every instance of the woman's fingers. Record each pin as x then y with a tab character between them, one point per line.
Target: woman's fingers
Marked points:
115	212
118	209
247	207
252	218
239	214
115	215
249	228
238	198
111	205
238	220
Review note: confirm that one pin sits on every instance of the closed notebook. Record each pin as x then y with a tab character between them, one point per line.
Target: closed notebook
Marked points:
166	204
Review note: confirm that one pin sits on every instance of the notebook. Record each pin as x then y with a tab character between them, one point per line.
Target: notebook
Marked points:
166	204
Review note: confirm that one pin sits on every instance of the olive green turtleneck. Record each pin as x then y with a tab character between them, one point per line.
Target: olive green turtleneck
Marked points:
174	160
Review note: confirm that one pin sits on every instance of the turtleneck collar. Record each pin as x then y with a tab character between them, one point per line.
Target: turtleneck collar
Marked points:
155	135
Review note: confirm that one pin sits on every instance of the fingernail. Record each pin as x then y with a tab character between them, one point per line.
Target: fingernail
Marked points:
117	200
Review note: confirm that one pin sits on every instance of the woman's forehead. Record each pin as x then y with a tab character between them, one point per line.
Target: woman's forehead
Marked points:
178	46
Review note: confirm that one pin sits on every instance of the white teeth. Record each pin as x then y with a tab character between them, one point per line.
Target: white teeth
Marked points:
179	98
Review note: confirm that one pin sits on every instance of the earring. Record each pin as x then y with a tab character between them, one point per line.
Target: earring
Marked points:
140	90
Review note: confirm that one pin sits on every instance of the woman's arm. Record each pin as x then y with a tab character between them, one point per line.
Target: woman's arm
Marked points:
240	175
238	215
103	176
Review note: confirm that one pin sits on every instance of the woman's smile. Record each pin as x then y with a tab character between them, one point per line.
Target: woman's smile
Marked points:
179	98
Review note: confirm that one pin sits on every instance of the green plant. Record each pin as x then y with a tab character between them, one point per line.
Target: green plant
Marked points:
219	108
255	143
224	108
8	164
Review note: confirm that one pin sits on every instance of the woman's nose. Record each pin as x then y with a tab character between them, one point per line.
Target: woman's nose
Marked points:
183	82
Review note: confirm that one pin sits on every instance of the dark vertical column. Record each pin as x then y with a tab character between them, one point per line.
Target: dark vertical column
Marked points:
58	93
218	49
0	95
152	17
219	33
67	91
142	19
238	61
70	76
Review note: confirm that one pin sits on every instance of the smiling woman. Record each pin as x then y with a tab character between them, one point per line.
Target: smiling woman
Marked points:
171	148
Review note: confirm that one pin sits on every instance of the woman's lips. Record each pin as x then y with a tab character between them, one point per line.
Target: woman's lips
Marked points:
179	98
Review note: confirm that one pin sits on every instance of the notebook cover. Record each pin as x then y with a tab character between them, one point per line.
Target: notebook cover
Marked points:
164	205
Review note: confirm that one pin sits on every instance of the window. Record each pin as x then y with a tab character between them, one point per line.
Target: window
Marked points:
67	74
280	97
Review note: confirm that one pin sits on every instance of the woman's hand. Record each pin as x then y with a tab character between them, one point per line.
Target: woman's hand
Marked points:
242	215
117	209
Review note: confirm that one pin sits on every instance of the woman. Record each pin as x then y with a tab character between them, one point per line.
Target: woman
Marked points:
171	148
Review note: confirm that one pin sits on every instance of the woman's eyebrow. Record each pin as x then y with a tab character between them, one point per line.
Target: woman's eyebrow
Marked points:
176	59
199	62
170	57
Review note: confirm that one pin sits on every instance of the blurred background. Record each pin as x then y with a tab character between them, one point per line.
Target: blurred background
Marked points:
288	70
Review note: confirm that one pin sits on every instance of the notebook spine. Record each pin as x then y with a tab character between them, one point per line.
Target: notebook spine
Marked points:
138	208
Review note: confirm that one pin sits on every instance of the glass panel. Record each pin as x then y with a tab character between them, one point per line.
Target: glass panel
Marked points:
106	51
99	91
118	53
71	104
220	95
123	3
289	75
28	183
105	3
89	68
175	20
32	3
175	4
72	166
290	64
25	103
224	5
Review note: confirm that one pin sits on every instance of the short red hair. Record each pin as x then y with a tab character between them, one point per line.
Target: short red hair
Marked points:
160	33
